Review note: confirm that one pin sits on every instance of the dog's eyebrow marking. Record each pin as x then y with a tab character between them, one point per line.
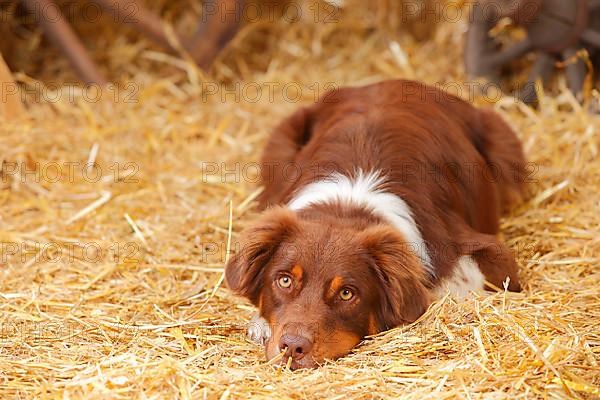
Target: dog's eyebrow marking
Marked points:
297	271
336	284
366	189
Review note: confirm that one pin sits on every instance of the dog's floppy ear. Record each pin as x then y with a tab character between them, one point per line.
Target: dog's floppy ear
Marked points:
403	294
244	270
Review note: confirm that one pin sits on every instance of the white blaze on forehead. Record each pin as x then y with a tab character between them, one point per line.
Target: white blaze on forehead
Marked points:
466	278
365	190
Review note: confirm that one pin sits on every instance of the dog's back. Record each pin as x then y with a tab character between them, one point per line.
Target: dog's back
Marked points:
421	135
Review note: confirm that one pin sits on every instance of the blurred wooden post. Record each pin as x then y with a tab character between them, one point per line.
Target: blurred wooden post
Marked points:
60	33
10	102
219	23
136	15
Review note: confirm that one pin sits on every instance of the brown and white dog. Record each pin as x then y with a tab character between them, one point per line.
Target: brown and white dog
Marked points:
378	200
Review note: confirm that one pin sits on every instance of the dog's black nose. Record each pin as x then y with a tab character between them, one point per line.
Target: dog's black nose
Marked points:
295	346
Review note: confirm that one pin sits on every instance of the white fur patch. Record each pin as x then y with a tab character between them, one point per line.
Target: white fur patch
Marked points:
466	278
365	190
258	330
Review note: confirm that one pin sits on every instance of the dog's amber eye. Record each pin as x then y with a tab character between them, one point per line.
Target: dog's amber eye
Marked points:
285	281
346	294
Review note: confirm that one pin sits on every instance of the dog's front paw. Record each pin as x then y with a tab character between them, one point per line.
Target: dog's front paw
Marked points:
259	330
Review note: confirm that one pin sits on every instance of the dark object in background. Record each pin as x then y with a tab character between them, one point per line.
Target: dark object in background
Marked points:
556	30
219	22
213	33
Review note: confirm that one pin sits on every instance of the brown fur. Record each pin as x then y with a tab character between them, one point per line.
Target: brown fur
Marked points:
456	167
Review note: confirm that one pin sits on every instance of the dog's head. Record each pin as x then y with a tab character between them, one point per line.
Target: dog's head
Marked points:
324	286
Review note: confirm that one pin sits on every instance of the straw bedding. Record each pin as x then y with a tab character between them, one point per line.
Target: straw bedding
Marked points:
110	278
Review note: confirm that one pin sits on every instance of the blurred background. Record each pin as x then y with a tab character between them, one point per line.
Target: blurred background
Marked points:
117	40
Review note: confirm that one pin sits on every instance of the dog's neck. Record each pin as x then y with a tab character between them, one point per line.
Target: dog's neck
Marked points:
365	191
